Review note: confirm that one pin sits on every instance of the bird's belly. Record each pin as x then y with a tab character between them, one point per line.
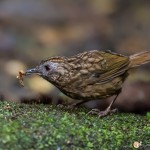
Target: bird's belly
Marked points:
94	91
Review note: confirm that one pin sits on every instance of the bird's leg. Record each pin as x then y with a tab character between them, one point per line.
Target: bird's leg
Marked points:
106	111
76	104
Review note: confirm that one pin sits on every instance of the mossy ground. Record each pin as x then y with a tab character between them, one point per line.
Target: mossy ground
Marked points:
35	126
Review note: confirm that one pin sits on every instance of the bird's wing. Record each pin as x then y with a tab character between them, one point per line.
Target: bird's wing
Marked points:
111	66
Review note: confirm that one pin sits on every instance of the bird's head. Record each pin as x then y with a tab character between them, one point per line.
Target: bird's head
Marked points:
50	69
44	69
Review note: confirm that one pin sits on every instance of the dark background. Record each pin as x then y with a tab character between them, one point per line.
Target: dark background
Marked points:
31	30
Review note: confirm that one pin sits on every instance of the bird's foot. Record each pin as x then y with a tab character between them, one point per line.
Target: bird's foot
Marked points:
67	107
102	113
75	104
71	106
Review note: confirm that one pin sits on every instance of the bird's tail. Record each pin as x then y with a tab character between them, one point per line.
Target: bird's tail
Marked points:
139	59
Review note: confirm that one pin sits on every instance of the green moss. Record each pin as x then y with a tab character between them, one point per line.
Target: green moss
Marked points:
50	127
148	115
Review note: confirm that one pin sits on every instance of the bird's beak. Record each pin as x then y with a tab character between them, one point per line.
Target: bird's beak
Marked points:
32	71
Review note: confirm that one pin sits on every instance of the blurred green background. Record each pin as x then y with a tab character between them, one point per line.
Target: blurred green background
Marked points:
32	30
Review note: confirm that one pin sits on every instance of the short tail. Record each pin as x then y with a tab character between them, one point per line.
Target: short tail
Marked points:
139	59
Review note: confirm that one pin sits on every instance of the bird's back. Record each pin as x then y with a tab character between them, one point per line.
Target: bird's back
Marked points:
94	74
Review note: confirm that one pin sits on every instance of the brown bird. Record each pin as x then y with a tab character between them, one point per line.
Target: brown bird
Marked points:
90	75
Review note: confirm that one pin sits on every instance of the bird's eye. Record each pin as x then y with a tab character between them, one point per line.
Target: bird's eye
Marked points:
47	67
96	75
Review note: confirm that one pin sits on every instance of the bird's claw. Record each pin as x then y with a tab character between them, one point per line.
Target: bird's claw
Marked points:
102	113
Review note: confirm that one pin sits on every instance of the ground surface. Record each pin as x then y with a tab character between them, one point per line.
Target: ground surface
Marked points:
50	127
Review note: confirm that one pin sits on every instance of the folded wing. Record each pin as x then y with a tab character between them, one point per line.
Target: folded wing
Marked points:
111	66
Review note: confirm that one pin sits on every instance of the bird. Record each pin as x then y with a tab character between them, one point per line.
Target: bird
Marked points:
90	75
